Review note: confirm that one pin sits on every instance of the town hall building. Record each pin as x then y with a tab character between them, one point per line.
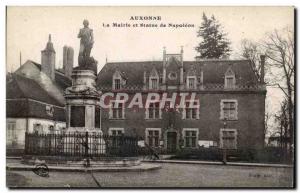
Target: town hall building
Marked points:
229	111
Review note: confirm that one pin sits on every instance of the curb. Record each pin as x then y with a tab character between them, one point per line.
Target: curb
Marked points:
220	163
83	169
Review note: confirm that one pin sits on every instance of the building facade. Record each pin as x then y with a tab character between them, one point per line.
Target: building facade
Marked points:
34	98
202	103
227	109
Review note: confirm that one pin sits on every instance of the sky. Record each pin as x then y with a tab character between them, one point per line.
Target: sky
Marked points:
28	29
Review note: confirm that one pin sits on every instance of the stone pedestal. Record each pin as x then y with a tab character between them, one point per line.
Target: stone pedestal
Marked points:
83	102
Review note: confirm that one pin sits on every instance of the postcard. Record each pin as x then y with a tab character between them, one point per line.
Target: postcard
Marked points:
150	97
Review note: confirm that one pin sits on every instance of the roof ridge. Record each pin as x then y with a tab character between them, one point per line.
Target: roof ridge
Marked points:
57	70
201	60
133	61
222	59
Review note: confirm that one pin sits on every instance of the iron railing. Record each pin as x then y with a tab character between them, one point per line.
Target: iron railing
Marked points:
80	144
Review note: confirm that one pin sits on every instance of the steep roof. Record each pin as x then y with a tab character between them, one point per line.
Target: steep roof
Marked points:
60	79
18	87
213	71
133	71
56	88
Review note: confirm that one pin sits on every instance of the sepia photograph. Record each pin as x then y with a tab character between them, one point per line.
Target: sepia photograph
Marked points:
150	97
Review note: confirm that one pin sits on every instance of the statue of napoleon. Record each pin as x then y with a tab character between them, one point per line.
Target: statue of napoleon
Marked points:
86	44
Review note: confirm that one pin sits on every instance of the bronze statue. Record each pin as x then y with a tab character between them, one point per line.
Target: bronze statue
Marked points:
86	41
86	44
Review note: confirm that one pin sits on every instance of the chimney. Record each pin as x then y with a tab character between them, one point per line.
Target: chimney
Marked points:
164	55
164	66
181	53
68	60
181	67
48	60
262	68
65	52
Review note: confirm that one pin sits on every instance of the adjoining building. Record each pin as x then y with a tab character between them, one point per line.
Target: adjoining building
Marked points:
230	111
34	98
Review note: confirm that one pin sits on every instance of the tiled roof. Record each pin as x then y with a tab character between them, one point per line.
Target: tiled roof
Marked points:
133	71
213	71
18	86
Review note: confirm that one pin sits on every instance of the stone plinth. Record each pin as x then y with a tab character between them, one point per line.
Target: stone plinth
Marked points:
83	103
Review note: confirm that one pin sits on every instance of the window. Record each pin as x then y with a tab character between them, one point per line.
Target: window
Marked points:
117	84
154	83
153	136
153	111
116	131
199	79
229	82
77	116
191	82
229	109
228	138
160	79
229	79
11	132
190	137
117	110
191	111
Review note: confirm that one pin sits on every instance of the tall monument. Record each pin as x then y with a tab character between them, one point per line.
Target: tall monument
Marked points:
82	98
86	44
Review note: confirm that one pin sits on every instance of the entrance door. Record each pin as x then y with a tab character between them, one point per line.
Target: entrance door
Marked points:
171	141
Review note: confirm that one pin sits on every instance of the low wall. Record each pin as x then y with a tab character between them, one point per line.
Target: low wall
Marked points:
80	161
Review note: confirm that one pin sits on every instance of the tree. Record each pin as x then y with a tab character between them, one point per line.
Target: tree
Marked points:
279	47
251	50
214	42
282	119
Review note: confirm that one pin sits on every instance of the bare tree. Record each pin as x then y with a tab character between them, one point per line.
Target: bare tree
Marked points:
251	50
279	47
283	125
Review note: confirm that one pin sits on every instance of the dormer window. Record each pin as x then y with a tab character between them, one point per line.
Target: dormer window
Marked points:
154	83
229	82
117	84
229	79
191	82
118	81
154	79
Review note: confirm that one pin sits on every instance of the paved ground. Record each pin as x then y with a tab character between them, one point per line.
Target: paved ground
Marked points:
171	175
